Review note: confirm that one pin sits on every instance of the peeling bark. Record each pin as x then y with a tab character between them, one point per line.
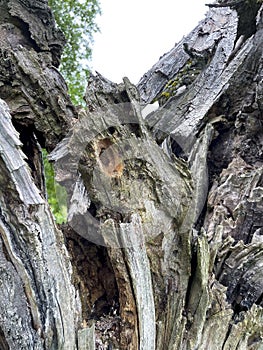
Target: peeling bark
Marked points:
40	307
163	244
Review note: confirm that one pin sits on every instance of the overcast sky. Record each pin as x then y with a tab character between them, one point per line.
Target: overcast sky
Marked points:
134	34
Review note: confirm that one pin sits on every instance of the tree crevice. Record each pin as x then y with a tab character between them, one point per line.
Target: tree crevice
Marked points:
162	248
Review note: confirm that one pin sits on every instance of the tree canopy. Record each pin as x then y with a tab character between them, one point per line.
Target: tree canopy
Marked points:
76	18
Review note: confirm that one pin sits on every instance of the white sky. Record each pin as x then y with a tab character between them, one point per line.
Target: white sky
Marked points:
134	34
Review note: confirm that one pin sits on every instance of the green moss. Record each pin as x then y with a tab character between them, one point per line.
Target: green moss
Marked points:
185	76
165	94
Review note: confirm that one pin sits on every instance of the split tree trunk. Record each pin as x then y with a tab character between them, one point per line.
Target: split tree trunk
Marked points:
163	248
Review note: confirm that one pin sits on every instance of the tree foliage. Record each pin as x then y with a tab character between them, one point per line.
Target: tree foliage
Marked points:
76	18
57	196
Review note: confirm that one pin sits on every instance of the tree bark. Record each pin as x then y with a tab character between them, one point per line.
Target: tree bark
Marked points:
163	246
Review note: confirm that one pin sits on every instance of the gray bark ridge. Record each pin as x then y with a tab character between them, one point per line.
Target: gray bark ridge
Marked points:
42	299
32	86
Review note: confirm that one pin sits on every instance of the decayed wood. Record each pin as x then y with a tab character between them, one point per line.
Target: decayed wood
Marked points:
212	43
172	190
30	82
40	309
218	30
165	213
86	338
139	267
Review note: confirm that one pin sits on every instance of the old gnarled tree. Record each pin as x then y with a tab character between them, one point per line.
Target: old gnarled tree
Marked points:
163	248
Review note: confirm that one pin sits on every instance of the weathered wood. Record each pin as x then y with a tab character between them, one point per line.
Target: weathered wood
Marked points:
171	190
41	309
165	224
217	30
86	338
32	86
139	267
212	43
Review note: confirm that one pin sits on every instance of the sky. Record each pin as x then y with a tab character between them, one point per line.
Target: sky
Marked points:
134	34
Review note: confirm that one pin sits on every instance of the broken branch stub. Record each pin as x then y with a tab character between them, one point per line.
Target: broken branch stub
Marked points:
112	160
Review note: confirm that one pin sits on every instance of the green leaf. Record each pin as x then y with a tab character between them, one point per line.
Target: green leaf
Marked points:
76	18
57	195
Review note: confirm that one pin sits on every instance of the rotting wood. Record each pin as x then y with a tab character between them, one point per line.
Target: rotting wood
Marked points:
185	184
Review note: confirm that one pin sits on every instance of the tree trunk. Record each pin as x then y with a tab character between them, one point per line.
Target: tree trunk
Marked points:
163	247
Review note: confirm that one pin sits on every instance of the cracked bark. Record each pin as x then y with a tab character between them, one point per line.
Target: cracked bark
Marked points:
173	255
